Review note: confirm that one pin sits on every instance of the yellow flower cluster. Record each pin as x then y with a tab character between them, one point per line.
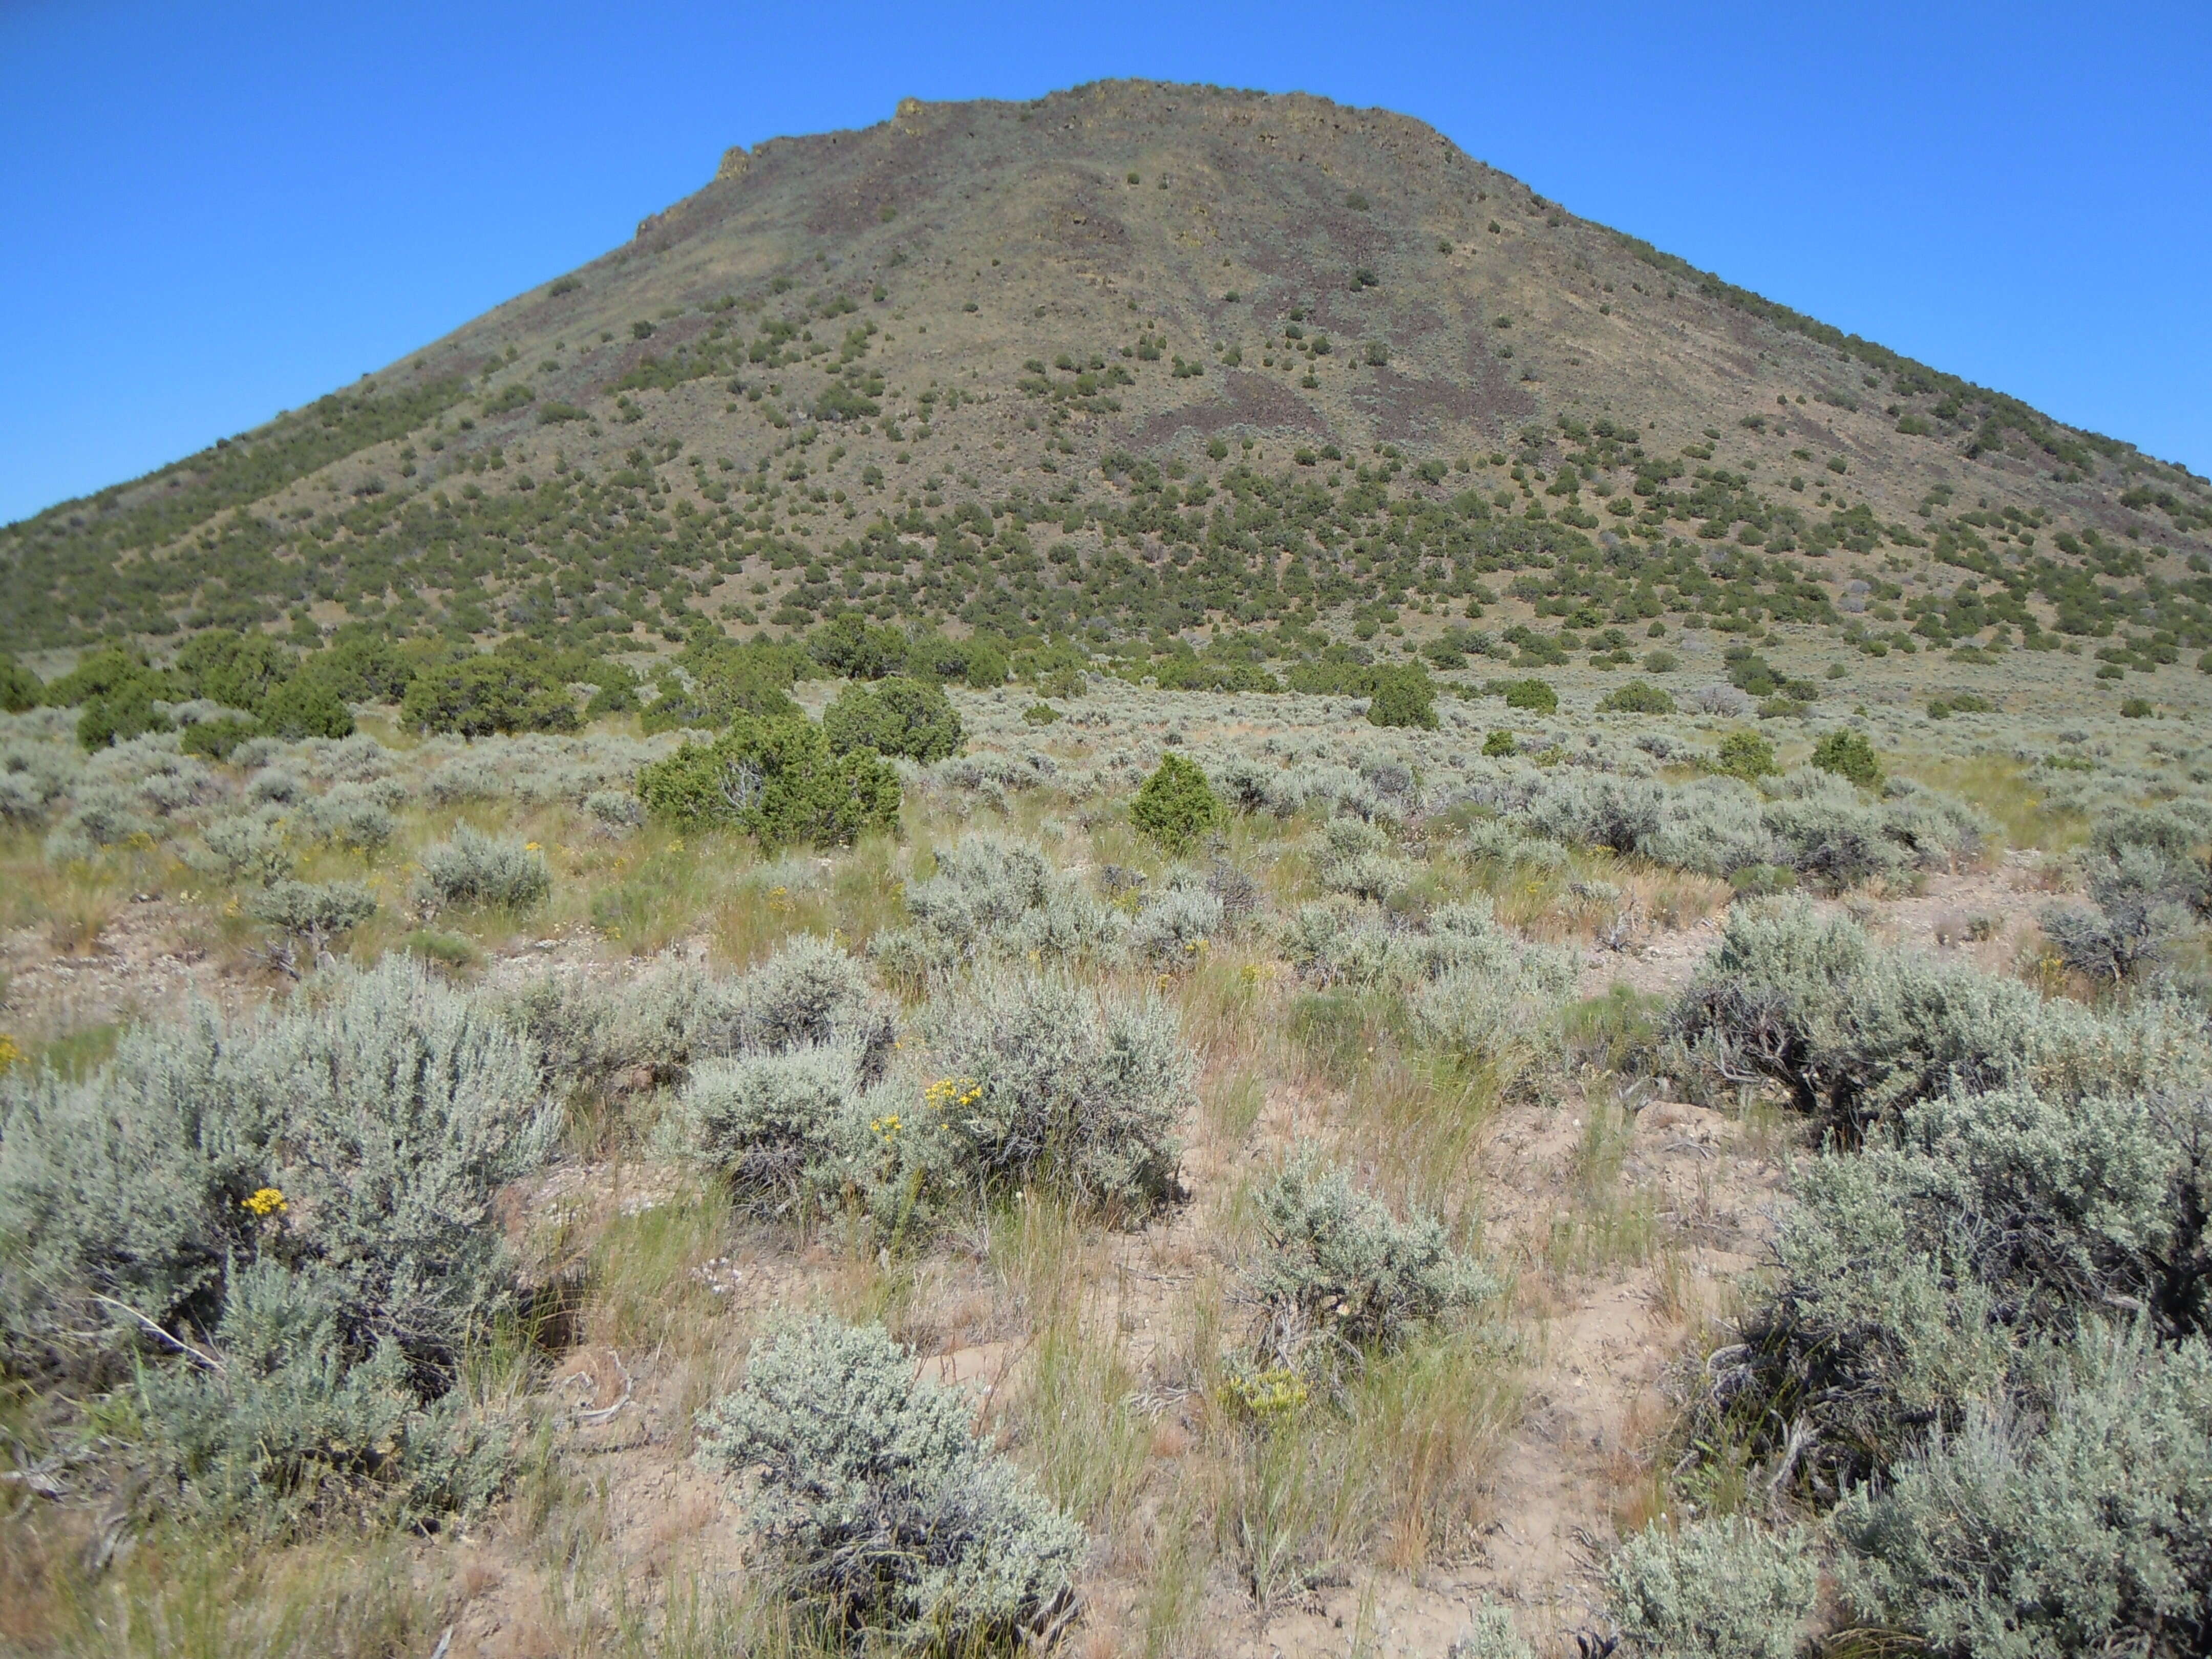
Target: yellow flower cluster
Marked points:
11	1052
886	1126
264	1203
1269	1396
948	1092
779	901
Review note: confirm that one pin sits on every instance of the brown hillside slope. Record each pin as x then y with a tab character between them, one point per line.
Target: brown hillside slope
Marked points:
981	302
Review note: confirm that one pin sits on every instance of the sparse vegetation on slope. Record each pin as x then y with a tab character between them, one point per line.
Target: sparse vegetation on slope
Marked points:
1123	871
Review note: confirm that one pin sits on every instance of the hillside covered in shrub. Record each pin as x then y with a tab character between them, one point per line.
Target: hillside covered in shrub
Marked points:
1205	378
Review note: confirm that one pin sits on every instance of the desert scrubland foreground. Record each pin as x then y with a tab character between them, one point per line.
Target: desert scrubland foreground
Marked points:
1210	1174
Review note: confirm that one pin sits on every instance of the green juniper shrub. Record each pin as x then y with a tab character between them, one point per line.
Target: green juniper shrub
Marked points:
1534	694
988	664
1187	671
1338	1274
20	689
472	868
1449	649
1404	695
615	692
216	739
775	780
712	681
364	668
1849	755
101	673
126	713
895	715
881	1508
305	705
1500	742
237	670
1340	671
1744	754
1040	713
1637	697
115	691
1176	806
1065	682
849	645
517	687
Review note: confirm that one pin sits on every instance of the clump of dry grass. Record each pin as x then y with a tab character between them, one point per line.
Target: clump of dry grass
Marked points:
187	1593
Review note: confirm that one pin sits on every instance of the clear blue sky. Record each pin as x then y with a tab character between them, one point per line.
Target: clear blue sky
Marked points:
211	212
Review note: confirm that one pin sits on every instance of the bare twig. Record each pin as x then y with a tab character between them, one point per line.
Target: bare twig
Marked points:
37	1480
601	1413
177	1342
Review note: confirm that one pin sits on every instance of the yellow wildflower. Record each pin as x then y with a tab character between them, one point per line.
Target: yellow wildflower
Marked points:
265	1202
531	846
947	1092
11	1052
